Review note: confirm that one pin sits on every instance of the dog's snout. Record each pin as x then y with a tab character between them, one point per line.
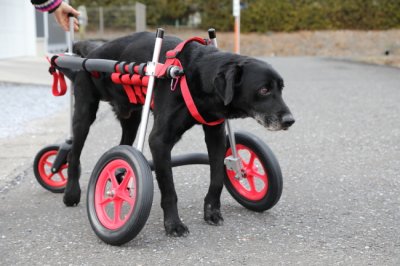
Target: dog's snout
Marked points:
287	120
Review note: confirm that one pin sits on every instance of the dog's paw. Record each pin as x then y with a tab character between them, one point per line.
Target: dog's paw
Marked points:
213	216
72	197
176	228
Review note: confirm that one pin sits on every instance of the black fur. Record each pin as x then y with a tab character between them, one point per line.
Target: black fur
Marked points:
223	85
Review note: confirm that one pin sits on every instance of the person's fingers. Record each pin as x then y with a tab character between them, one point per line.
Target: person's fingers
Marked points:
71	10
61	16
62	22
76	24
65	24
75	13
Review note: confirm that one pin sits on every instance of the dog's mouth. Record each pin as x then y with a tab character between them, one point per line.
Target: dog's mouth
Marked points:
274	123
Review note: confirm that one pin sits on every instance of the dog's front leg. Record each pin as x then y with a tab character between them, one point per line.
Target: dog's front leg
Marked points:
86	105
161	144
215	140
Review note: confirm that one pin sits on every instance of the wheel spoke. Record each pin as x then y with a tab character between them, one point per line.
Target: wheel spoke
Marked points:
64	166
252	158
117	211
48	163
105	201
113	179
257	174
250	179
123	195
61	175
50	176
125	181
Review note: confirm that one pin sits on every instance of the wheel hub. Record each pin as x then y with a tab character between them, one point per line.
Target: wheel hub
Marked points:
110	193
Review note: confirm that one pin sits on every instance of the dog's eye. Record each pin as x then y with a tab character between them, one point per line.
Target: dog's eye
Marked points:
264	91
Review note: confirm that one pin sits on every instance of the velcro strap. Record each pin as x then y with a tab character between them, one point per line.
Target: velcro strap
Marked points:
142	70
130	68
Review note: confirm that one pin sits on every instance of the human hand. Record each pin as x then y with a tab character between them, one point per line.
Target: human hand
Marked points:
61	16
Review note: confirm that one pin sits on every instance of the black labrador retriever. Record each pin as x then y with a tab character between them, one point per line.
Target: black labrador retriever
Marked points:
223	85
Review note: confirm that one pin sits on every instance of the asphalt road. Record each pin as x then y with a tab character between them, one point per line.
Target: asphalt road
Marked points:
340	202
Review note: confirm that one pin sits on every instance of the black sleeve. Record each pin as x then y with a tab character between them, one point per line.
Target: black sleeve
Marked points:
38	2
46	5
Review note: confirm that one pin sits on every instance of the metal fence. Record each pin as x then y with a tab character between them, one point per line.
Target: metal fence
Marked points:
110	22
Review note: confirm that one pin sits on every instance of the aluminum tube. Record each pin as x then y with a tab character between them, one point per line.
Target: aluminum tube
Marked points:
71	84
149	95
70	62
231	133
186	159
70	40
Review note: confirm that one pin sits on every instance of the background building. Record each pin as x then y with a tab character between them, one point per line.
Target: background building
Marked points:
17	29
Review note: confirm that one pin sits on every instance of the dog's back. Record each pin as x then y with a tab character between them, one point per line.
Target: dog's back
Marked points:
83	48
137	47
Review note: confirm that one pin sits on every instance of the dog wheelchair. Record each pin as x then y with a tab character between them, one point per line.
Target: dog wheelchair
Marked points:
120	190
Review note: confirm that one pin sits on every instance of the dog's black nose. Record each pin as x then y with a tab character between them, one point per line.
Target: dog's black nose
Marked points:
287	120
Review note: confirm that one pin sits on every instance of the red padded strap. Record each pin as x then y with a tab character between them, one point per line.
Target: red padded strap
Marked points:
125	81
138	92
131	94
118	78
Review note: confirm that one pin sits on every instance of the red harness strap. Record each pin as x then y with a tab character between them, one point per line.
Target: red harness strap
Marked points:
59	87
187	97
192	106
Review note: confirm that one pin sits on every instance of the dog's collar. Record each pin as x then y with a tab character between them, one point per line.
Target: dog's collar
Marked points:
172	60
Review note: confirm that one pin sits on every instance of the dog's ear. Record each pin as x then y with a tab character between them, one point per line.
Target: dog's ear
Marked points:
224	82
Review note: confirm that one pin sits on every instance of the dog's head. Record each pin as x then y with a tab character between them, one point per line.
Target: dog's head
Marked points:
254	89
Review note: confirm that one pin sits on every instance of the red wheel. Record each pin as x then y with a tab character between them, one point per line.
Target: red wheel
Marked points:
120	195
54	182
115	200
254	185
260	188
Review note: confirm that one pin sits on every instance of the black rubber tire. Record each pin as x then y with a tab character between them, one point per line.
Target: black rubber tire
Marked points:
271	166
36	167
144	195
